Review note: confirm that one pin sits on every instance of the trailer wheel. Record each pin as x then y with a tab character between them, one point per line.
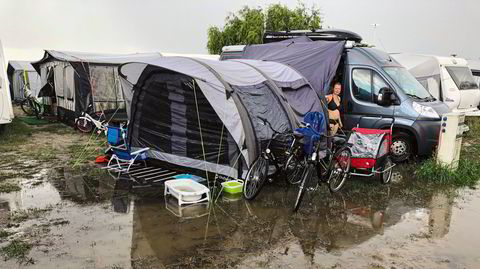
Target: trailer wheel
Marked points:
402	147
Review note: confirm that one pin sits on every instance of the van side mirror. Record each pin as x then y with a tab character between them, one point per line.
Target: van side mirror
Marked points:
385	97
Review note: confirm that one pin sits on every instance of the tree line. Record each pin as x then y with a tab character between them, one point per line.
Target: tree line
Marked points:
248	25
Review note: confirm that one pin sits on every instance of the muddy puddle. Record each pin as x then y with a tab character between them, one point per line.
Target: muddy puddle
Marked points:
98	222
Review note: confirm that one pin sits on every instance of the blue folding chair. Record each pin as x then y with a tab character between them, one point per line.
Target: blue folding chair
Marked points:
122	158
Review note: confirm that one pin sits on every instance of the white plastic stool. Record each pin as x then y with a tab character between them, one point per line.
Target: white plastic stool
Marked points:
187	191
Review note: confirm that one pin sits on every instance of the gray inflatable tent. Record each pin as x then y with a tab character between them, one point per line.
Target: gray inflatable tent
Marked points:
15	72
296	89
74	80
173	98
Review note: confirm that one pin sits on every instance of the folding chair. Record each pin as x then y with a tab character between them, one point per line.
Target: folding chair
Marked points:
122	158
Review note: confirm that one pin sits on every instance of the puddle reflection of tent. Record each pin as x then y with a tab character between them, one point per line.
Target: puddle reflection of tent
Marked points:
4	211
440	214
232	228
77	187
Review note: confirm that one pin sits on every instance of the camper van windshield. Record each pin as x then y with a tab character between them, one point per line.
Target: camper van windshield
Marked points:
408	83
463	77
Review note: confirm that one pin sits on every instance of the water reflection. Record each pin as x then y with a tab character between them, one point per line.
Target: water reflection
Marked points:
137	226
440	214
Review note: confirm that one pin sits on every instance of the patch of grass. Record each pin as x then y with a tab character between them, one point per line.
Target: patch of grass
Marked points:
474	125
43	154
15	135
467	173
4	234
7	187
57	128
83	153
18	250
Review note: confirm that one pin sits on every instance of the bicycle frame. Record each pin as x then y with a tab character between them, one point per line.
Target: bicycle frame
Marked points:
99	124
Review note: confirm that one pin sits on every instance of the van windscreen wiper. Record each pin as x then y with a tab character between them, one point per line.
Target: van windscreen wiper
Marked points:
414	96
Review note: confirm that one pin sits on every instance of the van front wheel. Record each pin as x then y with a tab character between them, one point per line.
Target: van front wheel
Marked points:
401	148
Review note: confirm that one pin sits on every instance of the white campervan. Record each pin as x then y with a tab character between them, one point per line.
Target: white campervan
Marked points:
6	110
448	79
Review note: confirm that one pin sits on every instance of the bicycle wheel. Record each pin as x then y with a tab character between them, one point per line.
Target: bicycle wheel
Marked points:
85	126
306	178
386	176
339	169
27	108
256	176
293	170
37	109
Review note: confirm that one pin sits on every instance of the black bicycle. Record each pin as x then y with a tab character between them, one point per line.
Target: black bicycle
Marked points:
276	152
330	160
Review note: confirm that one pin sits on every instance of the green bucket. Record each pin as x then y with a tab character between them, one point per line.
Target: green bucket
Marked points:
233	186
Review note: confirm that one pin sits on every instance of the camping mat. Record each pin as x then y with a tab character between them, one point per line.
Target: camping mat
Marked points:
32	120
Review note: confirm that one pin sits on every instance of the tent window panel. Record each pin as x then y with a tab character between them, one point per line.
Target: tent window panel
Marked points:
58	74
69	82
212	126
104	87
167	111
154	117
260	103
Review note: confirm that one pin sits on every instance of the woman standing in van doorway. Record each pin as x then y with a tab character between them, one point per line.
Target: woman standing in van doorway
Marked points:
333	104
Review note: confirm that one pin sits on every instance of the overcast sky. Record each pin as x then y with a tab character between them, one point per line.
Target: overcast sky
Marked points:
438	27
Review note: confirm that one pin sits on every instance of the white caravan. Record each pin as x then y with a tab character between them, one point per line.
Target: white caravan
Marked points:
448	79
6	110
475	67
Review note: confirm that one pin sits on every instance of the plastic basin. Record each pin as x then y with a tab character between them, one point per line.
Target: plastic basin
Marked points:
233	186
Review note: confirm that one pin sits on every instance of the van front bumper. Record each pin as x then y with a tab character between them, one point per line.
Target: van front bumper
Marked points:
428	132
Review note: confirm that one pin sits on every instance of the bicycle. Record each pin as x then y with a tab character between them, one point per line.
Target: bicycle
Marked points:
274	153
86	123
30	105
331	164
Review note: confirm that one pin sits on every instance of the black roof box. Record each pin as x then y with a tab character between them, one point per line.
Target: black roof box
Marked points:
328	35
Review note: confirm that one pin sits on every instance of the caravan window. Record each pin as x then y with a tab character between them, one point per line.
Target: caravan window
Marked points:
58	73
463	77
106	90
68	82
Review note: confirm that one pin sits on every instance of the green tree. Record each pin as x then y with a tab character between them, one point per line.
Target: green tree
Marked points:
248	25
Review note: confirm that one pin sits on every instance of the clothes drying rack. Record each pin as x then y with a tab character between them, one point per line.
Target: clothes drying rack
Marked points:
143	175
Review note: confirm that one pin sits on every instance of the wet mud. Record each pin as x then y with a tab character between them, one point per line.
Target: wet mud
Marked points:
81	217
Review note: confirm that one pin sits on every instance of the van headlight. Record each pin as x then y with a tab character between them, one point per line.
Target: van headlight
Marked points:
425	110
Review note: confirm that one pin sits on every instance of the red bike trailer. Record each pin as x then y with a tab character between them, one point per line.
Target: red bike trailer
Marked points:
371	153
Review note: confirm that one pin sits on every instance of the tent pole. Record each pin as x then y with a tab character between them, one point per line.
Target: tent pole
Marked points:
200	128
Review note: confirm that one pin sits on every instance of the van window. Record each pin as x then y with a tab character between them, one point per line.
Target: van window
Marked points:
463	77
362	84
408	83
378	83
